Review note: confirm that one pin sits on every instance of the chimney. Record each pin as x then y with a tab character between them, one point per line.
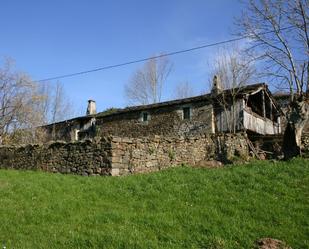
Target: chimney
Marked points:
91	109
216	85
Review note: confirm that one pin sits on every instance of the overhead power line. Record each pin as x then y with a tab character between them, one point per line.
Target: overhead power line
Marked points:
155	57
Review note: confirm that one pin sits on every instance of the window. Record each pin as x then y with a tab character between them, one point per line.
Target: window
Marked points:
145	117
186	113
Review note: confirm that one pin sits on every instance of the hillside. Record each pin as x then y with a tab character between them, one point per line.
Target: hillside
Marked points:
175	208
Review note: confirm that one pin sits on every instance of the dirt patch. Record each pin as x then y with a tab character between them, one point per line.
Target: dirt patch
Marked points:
269	243
3	184
209	164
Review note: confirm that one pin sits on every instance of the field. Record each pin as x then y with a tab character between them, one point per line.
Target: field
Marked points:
176	208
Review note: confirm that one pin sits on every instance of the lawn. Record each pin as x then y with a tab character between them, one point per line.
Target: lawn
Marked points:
180	207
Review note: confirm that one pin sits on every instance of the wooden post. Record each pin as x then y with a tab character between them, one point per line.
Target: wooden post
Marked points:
271	110
263	104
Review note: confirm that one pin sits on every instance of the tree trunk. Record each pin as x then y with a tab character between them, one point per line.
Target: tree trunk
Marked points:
297	117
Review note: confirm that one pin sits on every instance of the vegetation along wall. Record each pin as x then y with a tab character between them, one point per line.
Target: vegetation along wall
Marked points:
120	156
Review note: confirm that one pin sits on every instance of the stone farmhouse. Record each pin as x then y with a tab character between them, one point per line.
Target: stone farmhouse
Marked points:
219	126
250	109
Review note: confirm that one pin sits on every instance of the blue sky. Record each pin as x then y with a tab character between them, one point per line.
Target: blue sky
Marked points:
50	38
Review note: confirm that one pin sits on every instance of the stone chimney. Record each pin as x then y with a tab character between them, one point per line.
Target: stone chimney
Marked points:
91	109
216	85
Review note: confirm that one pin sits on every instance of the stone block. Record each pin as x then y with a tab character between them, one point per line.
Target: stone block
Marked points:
116	139
116	159
115	172
127	140
150	164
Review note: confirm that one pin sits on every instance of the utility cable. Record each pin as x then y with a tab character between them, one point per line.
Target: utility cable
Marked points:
155	57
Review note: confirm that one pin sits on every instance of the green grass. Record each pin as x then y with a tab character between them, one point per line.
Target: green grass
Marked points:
176	208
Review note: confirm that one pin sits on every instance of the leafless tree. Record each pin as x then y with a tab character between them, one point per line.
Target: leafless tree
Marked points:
233	70
278	31
184	90
55	105
45	91
146	84
16	99
60	107
25	105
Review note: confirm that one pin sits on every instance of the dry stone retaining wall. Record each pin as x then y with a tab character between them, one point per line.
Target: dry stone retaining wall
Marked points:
120	156
131	155
83	158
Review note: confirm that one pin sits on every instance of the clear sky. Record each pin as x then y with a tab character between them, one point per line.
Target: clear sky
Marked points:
51	38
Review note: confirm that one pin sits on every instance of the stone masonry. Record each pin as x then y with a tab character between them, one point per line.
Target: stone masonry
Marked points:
164	121
82	158
120	156
132	155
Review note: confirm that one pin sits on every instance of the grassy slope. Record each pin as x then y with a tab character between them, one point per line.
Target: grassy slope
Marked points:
176	208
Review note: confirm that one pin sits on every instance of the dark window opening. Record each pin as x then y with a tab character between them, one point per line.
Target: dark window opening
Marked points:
268	109
145	117
186	113
82	135
255	103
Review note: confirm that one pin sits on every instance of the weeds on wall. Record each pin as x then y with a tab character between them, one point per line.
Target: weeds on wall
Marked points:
171	154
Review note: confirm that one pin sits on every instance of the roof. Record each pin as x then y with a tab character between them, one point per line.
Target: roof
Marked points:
241	91
205	97
249	89
86	117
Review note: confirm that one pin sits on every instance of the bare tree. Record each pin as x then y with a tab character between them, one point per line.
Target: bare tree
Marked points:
55	105
233	70
45	91
146	84
233	67
279	34
20	104
184	90
16	98
25	105
60	107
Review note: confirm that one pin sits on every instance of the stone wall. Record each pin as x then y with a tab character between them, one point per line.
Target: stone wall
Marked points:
120	156
131	155
83	158
166	120
305	143
163	120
